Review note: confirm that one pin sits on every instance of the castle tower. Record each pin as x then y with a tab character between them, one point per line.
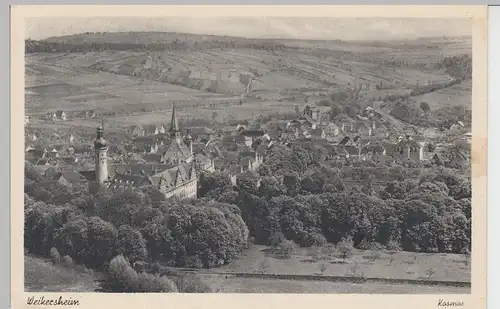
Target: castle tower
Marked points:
101	159
175	133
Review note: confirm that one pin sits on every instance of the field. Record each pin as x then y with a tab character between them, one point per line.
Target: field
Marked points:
41	275
135	85
457	95
252	285
404	265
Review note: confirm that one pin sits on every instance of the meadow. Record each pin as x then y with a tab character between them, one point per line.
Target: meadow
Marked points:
370	264
253	285
41	275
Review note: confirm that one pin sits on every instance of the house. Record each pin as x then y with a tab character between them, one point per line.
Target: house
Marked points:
60	115
204	163
154	129
381	131
71	179
318	133
248	176
90	114
408	149
352	151
363	128
468	137
314	114
373	151
347	141
81	149
331	129
250	160
346	125
459	125
137	130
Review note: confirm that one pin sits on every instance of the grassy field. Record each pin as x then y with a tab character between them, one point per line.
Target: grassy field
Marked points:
253	285
41	275
456	95
400	265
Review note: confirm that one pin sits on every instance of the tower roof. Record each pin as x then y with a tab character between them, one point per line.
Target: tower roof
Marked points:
100	142
174	126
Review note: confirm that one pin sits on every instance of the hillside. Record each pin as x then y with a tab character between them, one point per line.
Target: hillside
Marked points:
219	75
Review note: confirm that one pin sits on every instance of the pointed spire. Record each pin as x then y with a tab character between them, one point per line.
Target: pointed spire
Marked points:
174	126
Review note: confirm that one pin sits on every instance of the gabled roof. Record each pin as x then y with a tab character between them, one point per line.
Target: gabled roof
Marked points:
344	140
174	176
352	150
72	177
152	157
252	133
408	143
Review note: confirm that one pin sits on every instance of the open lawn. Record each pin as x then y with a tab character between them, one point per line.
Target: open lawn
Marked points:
41	275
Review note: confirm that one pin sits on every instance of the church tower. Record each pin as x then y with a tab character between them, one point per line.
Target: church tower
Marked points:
101	159
175	133
189	140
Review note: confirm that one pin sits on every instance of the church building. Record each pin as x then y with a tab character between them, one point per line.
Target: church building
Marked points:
175	177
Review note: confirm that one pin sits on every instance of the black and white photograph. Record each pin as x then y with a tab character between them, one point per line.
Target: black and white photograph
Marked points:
248	154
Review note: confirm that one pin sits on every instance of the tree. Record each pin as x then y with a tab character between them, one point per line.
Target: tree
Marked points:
322	268
345	248
424	106
101	237
121	277
131	244
214	185
430	272
55	256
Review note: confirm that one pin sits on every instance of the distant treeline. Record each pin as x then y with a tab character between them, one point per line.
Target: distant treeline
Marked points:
458	66
32	46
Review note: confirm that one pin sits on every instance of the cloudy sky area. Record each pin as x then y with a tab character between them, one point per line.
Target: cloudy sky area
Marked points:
252	27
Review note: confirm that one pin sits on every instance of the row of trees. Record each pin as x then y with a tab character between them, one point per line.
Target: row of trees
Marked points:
32	46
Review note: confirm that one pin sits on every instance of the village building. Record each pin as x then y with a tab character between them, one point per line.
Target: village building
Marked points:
60	115
176	177
408	149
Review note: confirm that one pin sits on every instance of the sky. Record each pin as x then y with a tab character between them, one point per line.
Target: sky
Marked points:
259	27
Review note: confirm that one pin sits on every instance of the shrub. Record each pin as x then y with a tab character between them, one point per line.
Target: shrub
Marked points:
393	246
276	239
287	249
194	262
55	256
354	269
322	268
374	256
345	248
430	272
149	283
191	284
67	260
264	265
121	277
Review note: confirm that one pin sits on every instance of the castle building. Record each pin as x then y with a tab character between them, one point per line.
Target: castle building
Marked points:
175	177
